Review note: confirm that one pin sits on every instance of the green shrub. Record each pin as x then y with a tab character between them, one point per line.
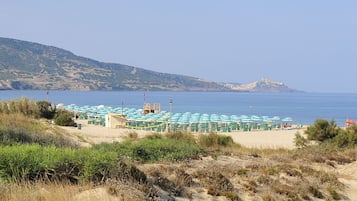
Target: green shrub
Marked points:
64	118
181	136
46	109
151	150
163	149
214	140
322	130
225	140
346	138
299	140
333	193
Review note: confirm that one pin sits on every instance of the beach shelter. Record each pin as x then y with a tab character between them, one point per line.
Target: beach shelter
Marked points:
115	120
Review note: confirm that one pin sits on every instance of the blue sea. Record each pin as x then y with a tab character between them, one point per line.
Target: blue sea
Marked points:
303	108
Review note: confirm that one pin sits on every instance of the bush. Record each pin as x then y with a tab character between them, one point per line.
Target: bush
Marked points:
214	140
322	130
181	136
64	118
163	149
299	140
346	138
46	109
153	149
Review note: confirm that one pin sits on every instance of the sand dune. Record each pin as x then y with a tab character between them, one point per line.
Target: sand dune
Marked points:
92	134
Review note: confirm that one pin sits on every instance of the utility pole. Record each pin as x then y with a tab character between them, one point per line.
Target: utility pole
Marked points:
170	113
47	93
122	108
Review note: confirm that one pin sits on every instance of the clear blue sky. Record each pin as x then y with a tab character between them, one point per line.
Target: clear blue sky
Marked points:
309	45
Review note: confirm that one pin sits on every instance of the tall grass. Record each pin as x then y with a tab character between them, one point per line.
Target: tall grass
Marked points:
153	150
20	129
34	162
22	105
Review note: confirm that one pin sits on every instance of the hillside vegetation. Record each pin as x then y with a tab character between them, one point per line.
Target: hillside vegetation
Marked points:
27	65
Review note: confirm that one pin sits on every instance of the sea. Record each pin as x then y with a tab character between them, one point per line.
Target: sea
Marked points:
303	108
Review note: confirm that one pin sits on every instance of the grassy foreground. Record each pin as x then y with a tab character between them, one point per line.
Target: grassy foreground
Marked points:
40	162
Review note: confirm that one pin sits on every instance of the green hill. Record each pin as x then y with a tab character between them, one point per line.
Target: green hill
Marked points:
27	65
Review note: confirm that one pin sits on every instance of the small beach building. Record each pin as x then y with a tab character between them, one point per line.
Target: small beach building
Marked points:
115	120
151	108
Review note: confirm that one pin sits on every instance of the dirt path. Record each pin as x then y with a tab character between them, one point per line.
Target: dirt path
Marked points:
348	175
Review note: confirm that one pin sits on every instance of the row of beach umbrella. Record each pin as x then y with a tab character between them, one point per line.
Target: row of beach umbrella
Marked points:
133	114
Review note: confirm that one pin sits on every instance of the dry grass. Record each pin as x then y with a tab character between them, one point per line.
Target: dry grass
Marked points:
234	177
41	191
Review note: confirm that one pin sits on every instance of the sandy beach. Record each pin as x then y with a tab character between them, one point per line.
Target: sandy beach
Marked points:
94	134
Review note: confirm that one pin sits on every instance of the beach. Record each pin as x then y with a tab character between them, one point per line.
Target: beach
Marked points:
94	134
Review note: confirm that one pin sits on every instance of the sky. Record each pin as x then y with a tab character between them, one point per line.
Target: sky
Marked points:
310	45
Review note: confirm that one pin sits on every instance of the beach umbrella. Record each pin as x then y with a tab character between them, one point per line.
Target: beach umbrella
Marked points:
255	118
247	120
276	118
268	119
287	119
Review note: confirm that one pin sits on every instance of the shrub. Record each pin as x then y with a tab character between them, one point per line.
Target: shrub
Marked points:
299	140
347	138
133	135
153	149
181	136
214	140
64	118
315	192
46	109
322	130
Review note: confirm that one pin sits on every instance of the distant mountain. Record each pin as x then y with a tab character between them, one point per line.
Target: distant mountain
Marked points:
262	85
28	65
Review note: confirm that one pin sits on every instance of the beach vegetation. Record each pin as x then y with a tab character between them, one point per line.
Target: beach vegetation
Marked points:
347	138
22	105
36	156
64	118
153	149
214	140
20	129
34	162
322	130
300	141
46	109
328	136
37	110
